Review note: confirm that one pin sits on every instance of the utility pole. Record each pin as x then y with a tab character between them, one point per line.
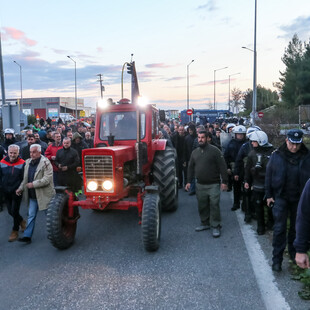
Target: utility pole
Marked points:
2	85
101	86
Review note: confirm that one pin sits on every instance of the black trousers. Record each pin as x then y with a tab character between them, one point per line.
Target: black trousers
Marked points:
13	204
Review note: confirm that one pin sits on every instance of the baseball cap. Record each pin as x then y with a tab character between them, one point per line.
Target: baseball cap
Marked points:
295	135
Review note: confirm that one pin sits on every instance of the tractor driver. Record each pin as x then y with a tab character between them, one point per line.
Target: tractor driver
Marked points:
127	126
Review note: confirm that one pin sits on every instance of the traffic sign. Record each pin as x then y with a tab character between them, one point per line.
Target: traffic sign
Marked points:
260	114
189	112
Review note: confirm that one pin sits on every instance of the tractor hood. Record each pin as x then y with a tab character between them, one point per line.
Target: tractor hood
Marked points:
119	153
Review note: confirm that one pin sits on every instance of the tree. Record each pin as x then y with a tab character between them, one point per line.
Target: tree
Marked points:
265	99
236	94
294	85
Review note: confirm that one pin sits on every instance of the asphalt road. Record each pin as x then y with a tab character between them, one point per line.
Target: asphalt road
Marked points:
107	267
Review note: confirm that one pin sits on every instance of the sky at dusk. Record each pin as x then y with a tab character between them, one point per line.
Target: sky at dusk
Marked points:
164	37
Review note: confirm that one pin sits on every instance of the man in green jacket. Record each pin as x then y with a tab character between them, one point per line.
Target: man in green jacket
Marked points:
208	166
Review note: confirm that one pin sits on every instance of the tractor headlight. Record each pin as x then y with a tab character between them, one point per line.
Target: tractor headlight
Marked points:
142	101
92	186
107	185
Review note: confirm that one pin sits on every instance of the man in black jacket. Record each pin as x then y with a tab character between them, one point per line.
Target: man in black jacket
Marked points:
287	172
11	175
67	160
302	240
78	144
178	140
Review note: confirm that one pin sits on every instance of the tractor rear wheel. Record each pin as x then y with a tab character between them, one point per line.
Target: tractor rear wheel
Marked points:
164	172
151	222
60	228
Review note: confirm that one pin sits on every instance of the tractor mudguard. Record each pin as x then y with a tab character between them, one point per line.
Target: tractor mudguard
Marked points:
159	144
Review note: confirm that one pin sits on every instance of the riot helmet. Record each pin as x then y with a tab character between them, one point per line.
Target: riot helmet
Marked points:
259	136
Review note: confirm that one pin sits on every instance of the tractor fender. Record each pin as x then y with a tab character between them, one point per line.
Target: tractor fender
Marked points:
159	144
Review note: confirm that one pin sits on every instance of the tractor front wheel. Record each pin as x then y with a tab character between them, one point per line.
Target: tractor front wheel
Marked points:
164	172
60	228
151	222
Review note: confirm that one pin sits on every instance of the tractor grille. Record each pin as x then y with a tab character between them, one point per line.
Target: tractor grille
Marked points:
98	167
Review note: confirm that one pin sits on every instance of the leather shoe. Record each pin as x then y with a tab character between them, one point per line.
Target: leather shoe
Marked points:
23	225
277	267
202	227
26	240
13	236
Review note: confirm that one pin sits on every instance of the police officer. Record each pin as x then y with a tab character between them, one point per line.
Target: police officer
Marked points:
230	156
255	171
287	172
9	138
246	147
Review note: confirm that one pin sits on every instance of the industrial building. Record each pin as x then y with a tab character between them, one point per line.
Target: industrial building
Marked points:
51	106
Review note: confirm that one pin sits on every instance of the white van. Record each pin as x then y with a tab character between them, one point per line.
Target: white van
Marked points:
67	117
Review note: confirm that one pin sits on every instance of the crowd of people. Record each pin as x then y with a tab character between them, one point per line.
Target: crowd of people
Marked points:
266	182
49	155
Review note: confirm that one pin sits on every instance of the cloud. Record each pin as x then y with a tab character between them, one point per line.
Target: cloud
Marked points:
58	51
176	78
158	65
225	81
299	25
10	33
209	6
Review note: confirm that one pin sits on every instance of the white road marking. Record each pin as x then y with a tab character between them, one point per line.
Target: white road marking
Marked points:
271	295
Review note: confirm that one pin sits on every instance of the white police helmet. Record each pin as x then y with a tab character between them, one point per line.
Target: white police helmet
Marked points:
251	129
259	136
239	129
230	125
10	131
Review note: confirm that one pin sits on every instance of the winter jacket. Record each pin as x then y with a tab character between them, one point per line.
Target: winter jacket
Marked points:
231	151
302	241
8	142
242	154
89	142
2	152
275	180
78	146
207	165
70	158
42	183
11	174
188	146
51	151
255	168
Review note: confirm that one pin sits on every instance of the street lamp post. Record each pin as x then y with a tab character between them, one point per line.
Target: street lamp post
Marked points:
229	89
254	97
21	85
214	83
76	115
188	85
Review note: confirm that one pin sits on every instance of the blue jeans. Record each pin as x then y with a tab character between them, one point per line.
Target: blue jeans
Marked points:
32	214
281	211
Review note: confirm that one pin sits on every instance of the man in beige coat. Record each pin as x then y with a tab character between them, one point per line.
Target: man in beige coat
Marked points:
37	186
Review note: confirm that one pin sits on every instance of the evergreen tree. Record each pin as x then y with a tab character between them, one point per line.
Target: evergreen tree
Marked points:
294	83
265	98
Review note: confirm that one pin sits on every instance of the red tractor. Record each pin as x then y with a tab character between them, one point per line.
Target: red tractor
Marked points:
128	167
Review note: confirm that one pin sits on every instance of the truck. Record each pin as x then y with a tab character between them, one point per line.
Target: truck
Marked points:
129	167
203	116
